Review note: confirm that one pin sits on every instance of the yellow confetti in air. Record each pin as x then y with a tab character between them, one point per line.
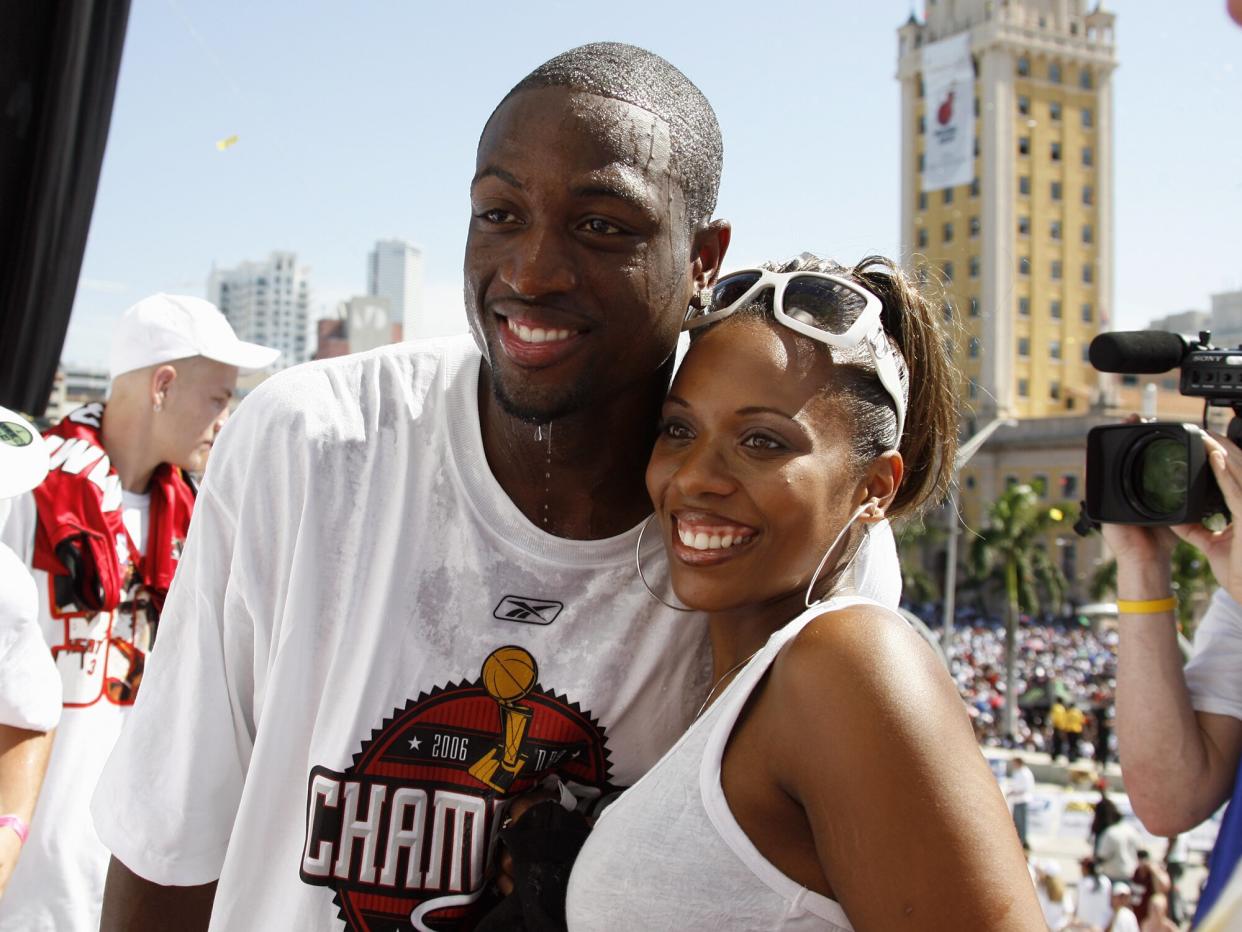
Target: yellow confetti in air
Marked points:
1056	514
226	143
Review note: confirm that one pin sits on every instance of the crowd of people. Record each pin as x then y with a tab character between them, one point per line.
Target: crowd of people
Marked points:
1067	679
405	659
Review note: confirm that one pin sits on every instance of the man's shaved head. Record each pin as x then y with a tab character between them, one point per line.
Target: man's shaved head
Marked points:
643	79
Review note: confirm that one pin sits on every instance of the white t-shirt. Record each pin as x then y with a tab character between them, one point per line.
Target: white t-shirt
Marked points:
1021	786
29	686
58	883
1095	899
367	645
1214	673
1124	921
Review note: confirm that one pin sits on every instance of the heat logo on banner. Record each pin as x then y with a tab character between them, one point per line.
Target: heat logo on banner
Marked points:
404	835
948	86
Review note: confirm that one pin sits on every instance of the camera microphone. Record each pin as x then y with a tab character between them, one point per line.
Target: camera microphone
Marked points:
1138	351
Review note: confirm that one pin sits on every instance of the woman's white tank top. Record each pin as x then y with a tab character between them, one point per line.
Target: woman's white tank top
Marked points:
668	854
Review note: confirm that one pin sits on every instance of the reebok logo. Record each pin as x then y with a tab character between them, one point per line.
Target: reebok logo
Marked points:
527	610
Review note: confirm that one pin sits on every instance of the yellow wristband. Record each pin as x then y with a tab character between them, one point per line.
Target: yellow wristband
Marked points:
1146	606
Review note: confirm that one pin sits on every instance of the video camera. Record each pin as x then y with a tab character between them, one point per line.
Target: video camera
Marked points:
1158	474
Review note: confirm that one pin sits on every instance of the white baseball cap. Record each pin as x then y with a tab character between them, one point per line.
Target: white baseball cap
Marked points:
164	327
23	455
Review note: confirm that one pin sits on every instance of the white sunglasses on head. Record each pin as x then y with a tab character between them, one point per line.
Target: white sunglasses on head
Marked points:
828	308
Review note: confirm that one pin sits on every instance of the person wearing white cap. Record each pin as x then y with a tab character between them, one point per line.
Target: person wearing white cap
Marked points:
105	531
29	684
1123	919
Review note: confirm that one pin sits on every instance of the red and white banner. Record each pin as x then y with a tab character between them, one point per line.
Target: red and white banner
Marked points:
949	113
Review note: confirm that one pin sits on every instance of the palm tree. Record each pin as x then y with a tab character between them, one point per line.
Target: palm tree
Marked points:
914	539
1192	581
1010	545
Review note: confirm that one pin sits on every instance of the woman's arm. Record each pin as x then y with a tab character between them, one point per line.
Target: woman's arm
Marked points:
23	761
910	827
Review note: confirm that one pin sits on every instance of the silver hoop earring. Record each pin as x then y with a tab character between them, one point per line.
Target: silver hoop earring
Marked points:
806	600
638	565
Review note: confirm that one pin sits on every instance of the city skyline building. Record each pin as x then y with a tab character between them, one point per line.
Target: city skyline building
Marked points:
1007	205
266	302
395	272
1024	245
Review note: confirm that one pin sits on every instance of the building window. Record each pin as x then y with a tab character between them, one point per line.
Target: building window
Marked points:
974	266
1086	353
920	85
1087	118
974	307
975	227
1024	226
974	187
974	394
922	200
922	239
1024	347
921	160
1054	349
947	197
1024	145
974	348
1084	79
1086	314
976	146
1024	66
922	124
1039	482
1024	265
1054	229
1054	309
1054	111
1056	270
1056	190
1054	73
1130	381
1055	151
1024	391
947	233
947	268
1024	307
1088	274
976	106
1024	185
1088	157
1054	391
947	312
1088	195
1088	235
1069	485
1024	105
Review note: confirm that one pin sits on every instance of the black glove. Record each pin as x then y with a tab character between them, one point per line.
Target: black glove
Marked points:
543	845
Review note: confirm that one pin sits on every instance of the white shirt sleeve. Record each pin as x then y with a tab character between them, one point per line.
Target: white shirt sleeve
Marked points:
30	692
1214	673
169	794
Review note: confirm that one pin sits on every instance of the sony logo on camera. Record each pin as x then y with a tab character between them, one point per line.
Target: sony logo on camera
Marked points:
1158	473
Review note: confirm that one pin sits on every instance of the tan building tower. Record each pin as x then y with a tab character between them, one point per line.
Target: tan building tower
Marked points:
1024	245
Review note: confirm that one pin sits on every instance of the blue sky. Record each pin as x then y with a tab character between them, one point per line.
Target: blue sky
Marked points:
359	121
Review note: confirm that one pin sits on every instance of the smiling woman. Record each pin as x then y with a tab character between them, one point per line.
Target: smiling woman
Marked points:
834	782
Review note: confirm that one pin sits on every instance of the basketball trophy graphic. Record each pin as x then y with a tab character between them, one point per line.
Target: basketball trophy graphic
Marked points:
509	674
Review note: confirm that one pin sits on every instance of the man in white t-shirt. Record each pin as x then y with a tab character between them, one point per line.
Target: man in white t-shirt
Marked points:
410	593
1019	790
104	532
